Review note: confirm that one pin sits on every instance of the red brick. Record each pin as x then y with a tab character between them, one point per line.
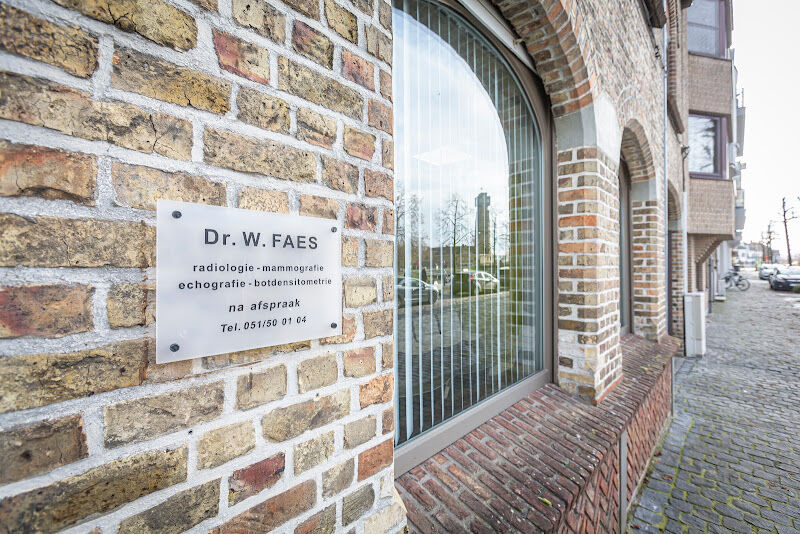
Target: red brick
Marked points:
373	460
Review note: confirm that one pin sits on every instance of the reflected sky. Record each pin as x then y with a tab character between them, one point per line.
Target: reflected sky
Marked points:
450	140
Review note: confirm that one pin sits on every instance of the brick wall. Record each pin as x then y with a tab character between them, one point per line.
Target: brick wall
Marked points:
678	287
106	107
711	207
710	85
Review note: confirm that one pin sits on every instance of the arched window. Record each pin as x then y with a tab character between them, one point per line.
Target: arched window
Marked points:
470	206
625	251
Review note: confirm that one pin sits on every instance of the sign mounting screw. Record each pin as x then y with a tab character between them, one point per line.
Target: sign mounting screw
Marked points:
333	325
174	347
176	214
333	229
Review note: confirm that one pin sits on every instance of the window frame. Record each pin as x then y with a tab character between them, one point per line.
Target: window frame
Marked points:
721	147
722	33
411	453
626	250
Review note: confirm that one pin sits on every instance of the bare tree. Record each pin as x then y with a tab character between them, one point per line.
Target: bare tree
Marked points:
788	214
453	225
766	243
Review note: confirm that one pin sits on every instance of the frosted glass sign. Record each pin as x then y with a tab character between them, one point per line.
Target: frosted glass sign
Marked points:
230	279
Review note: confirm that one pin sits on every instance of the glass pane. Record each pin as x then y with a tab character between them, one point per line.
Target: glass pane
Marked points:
468	169
705	12
703	144
703	40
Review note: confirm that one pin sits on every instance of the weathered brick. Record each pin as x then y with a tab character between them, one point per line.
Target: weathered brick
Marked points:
255	389
32	380
262	110
376	391
341	21
211	5
359	143
51	242
387	154
367	6
164	372
306	7
386	83
360	292
156	78
260	17
359	432
358	69
41	447
388	420
313	452
378	44
378	184
248	481
339	175
223	444
379	253
220	361
347	335
246	154
337	478
316	129
29	170
359	362
349	251
178	513
385	14
378	323
97	491
46	310
388	226
252	198
389	517
130	305
387	288
43	103
241	57
380	116
357	504
360	217
285	423
317	372
301	81
312	44
373	460
140	187
273	512
152	19
323	522
141	419
67	47
316	206
387	355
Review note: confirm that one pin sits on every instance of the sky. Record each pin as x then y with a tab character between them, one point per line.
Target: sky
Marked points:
765	39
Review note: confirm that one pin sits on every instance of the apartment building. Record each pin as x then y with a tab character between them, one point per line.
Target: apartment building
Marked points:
521	193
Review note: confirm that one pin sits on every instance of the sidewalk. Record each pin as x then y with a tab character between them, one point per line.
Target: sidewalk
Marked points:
731	460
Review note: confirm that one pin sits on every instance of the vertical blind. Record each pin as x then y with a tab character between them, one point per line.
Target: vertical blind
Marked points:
467	181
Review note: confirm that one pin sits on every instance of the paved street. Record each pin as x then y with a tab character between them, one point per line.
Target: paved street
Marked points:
731	461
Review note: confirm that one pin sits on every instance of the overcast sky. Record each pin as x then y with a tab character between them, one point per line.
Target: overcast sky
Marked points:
765	39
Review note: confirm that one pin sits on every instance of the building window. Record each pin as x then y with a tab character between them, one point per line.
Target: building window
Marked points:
469	222
706	27
706	146
625	252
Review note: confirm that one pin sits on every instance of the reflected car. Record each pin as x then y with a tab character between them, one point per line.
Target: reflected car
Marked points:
421	292
767	270
785	278
474	283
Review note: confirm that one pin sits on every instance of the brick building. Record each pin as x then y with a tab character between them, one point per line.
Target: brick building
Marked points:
523	378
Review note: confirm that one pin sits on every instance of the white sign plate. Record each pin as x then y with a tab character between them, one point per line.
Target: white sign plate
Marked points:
229	279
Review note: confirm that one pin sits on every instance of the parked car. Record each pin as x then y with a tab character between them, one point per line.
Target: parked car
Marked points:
475	283
785	278
421	292
767	270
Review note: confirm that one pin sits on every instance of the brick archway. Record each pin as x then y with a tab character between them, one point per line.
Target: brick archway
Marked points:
550	33
648	217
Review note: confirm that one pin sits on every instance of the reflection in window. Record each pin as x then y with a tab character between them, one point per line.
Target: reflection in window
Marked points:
705	28
468	168
703	144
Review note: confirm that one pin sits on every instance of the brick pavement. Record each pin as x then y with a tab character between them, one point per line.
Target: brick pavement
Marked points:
731	459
